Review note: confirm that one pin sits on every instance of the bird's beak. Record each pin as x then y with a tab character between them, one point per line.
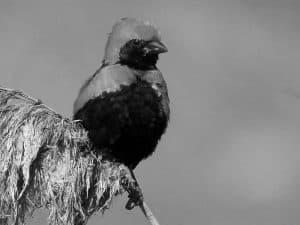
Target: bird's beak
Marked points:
155	47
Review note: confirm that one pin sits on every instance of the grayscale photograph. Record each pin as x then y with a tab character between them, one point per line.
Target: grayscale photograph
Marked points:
127	112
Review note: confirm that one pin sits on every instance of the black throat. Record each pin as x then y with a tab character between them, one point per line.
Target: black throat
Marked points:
141	63
133	56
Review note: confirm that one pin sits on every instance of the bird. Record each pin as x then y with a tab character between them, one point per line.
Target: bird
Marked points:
124	105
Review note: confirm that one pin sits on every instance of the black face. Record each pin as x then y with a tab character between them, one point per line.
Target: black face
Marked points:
137	54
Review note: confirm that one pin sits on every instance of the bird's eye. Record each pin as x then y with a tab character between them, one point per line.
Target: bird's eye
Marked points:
136	42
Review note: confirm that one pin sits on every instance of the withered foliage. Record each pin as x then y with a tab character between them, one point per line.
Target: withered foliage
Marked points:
46	161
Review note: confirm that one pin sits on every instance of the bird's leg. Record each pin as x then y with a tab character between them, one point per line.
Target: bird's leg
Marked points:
129	183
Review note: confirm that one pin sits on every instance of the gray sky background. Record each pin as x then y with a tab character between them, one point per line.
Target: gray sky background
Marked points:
231	154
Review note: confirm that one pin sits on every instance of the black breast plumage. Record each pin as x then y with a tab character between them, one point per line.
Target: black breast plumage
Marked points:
127	123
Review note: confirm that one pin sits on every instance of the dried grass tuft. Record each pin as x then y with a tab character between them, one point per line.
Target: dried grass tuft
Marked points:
46	161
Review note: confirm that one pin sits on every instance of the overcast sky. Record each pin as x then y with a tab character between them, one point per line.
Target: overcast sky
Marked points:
231	153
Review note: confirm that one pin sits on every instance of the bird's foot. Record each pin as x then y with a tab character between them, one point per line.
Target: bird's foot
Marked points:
130	184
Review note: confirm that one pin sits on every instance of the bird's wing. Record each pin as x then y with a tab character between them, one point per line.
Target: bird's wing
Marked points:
109	79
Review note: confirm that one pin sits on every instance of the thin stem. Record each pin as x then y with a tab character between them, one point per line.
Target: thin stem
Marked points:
148	213
145	208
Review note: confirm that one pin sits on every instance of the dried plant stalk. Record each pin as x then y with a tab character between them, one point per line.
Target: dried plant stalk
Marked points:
46	161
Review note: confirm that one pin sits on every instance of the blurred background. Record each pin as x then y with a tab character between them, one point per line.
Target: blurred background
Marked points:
231	153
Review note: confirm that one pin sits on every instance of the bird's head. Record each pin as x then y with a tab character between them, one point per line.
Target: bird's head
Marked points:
134	43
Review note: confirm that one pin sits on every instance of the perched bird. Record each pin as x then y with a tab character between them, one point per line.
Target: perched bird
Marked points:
124	106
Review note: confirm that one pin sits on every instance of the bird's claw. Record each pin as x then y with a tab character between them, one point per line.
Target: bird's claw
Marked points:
130	184
135	197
